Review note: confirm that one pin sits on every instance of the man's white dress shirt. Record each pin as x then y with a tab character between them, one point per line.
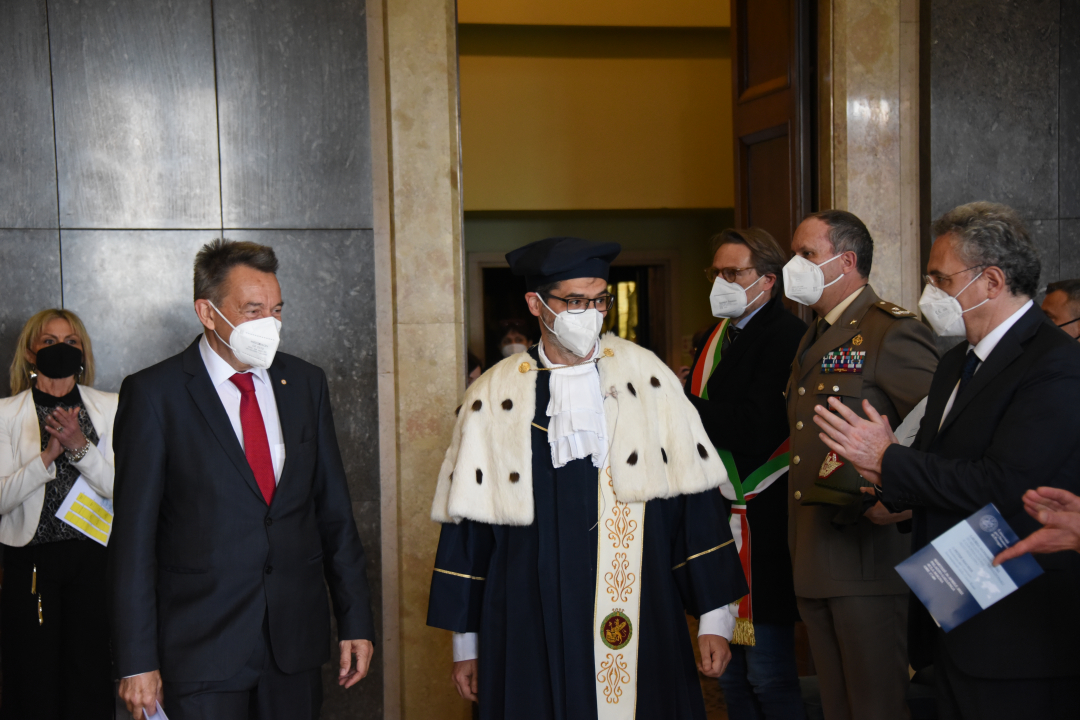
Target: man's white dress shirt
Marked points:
220	372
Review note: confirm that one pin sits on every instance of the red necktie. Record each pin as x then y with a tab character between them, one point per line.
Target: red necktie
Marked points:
256	446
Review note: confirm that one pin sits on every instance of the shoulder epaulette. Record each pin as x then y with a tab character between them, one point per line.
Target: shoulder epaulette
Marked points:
893	310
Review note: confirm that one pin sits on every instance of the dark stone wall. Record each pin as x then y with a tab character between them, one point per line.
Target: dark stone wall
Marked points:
134	131
1005	116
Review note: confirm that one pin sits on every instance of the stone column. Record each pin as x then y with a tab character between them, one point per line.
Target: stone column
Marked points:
869	131
420	289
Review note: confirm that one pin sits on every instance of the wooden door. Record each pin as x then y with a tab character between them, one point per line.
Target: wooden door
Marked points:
771	46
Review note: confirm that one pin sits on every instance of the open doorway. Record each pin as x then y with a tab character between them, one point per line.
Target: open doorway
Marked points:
639	282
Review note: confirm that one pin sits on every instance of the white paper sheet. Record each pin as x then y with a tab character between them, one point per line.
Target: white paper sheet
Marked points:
87	512
159	715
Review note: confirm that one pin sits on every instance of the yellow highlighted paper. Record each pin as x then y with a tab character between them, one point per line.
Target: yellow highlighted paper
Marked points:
87	512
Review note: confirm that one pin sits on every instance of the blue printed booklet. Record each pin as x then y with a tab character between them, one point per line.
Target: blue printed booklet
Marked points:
953	577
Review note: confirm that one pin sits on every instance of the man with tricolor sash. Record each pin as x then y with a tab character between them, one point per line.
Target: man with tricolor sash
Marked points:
737	384
581	519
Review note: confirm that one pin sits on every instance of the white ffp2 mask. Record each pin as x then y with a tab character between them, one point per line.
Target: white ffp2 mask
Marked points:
943	310
804	281
577	332
728	299
254	342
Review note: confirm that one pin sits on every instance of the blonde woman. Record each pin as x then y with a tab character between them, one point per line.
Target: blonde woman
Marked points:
53	622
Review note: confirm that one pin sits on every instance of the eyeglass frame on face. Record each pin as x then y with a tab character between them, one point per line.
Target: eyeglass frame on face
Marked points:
929	279
607	297
730	274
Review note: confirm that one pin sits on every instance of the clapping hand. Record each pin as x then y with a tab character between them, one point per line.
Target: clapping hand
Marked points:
1059	513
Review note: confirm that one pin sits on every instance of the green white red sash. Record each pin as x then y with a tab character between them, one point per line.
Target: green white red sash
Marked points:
708	361
740	492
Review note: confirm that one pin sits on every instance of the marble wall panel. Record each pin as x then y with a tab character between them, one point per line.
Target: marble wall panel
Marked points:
30	276
136	133
364	700
994	104
1069	268
133	290
27	155
293	108
1069	113
1045	235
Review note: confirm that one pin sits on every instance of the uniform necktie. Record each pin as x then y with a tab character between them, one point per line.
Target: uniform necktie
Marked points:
820	327
971	363
256	446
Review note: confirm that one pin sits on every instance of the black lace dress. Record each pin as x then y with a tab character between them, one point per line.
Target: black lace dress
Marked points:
50	528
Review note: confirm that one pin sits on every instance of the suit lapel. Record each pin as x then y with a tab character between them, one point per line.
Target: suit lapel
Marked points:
945	379
1008	349
288	414
209	403
30	437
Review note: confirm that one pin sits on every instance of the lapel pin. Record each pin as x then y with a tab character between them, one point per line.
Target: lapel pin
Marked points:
283	381
857	340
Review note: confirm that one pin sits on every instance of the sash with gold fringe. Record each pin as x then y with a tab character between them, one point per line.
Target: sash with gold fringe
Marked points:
741	492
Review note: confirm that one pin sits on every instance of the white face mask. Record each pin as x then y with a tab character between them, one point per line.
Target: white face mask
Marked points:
728	299
804	281
577	332
514	349
254	342
943	310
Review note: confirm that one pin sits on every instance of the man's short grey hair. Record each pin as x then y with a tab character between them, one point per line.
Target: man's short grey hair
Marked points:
847	233
1071	288
218	257
987	234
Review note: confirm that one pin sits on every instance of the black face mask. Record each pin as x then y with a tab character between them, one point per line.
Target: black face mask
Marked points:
59	361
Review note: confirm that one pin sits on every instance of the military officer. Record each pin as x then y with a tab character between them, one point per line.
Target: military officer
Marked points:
844	544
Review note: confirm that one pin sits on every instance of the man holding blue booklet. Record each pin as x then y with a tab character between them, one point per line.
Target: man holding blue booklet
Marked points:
1000	420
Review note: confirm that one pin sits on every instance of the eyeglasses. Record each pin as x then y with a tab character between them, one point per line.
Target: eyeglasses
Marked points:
930	280
577	305
729	273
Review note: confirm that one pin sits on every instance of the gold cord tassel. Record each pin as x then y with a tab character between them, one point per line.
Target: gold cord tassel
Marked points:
40	617
744	632
33	582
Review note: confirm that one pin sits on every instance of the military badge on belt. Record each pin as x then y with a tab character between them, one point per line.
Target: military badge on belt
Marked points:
844	360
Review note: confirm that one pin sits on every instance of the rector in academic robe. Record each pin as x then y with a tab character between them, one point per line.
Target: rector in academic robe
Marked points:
581	519
233	516
1000	420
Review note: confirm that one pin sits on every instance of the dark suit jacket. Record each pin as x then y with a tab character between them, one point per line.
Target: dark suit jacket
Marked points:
197	559
745	414
1013	428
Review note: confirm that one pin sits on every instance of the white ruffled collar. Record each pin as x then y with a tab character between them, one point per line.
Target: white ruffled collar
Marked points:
576	411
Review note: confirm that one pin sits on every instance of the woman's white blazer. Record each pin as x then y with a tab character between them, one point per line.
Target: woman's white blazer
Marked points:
23	475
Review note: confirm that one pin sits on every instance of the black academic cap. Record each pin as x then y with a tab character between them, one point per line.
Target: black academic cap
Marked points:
561	258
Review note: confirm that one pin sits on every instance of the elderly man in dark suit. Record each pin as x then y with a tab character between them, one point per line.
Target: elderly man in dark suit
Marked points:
845	545
231	509
1000	420
737	386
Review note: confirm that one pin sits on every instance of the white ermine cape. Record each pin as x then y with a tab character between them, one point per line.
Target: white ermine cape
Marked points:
657	445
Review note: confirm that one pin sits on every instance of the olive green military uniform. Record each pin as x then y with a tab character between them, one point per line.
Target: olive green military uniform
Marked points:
852	600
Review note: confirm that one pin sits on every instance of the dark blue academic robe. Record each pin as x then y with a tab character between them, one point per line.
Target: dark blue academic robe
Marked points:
529	593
